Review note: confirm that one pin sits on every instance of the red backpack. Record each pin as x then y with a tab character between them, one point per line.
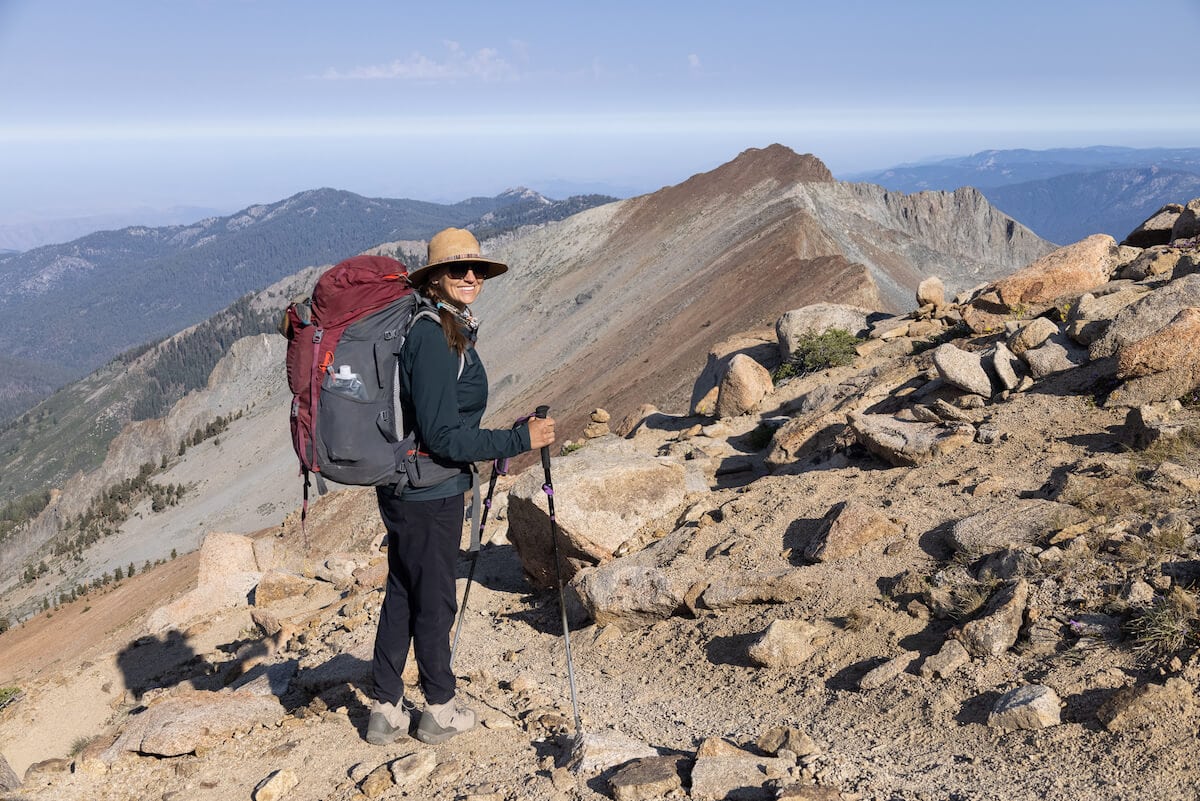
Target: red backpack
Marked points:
343	343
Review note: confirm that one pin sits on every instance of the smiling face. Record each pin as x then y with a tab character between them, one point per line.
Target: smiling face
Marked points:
464	290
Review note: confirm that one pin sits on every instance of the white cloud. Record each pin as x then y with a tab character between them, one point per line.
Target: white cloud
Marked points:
694	64
485	64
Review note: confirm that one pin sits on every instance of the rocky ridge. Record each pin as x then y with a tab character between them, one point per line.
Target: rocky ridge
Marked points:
949	569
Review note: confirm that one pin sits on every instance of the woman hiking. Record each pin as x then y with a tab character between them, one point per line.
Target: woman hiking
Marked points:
443	393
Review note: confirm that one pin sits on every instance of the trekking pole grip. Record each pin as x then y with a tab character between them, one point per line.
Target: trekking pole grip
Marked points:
544	412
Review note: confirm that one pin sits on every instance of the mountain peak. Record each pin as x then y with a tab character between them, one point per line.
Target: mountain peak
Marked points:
783	163
524	193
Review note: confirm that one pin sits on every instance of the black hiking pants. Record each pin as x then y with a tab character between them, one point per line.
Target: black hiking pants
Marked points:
419	600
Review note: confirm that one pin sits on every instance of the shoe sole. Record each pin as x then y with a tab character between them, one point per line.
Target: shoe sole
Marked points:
439	737
386	736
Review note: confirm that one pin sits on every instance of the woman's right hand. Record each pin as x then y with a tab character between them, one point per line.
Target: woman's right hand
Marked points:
541	432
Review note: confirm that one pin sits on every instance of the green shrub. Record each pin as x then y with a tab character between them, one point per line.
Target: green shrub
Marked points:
834	348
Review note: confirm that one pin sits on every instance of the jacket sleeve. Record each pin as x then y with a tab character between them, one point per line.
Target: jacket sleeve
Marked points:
442	430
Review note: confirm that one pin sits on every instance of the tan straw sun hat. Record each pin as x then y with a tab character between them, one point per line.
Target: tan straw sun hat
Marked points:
455	246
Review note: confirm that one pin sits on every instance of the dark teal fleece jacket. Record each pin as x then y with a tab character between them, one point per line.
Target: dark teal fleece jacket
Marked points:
446	410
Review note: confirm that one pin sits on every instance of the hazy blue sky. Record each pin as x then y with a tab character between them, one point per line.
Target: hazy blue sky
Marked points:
223	103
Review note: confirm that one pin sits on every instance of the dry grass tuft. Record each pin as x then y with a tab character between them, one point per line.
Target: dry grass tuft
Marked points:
1167	627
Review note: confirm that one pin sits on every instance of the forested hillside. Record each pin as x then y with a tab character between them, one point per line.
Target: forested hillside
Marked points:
69	308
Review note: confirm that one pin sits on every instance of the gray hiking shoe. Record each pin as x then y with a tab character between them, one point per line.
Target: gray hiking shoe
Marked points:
388	722
440	722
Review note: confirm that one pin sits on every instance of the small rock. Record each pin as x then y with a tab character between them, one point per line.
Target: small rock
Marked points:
414	768
1156	230
598	751
600	416
889	670
745	384
904	444
719	746
1032	335
931	292
749	778
1034	706
782	738
1006	364
276	586
595	430
950	658
997	630
1058	354
1138	593
276	786
962	369
784	643
647	779
377	782
849	526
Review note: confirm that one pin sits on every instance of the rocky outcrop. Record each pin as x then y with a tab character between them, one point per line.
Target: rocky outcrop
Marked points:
228	573
816	319
614	492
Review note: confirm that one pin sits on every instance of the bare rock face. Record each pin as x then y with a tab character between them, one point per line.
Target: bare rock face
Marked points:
1092	314
1170	348
1034	706
1071	270
903	443
1187	224
182	723
1162	366
1160	260
603	496
1156	230
743	387
1148	315
817	319
847	527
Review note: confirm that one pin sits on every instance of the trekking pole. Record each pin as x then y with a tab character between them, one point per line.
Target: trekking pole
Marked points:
548	488
499	468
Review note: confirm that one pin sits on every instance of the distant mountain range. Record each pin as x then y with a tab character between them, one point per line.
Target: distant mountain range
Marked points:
1064	194
19	236
70	308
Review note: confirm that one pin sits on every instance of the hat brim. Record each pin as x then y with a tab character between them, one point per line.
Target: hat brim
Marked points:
494	268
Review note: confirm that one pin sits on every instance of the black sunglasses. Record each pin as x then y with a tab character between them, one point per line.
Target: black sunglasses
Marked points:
459	271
